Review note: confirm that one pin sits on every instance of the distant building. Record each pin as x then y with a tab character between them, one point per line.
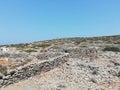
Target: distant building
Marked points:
3	49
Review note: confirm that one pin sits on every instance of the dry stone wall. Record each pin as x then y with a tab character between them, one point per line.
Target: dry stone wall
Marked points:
83	53
47	55
32	70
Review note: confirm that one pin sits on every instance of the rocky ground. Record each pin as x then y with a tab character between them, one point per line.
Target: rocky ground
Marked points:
86	66
76	74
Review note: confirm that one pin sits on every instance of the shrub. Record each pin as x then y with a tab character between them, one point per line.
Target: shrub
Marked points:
19	45
43	45
78	41
30	50
43	50
55	47
115	49
118	42
3	69
83	46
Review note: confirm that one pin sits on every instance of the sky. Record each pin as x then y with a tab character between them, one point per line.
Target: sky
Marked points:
35	20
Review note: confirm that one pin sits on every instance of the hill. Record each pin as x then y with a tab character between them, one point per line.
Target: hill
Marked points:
86	63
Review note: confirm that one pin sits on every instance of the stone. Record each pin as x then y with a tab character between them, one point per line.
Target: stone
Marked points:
95	72
118	75
1	76
93	80
12	73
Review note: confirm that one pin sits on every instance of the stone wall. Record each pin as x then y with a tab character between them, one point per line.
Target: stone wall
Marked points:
32	70
82	53
47	55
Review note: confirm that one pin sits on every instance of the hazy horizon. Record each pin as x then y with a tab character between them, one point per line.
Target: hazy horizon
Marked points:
24	21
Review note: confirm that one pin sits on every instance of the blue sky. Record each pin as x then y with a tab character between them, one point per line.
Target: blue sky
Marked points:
35	20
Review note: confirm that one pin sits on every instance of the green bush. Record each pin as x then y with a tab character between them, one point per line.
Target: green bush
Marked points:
115	49
83	46
43	45
30	50
19	45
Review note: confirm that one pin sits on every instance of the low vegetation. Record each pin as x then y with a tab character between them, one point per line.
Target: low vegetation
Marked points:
3	69
21	64
108	48
43	45
30	50
19	45
83	46
56	47
79	40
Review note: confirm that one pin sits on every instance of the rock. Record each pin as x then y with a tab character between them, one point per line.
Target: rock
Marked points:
115	63
93	80
12	73
6	77
60	86
112	72
1	82
1	76
95	72
118	75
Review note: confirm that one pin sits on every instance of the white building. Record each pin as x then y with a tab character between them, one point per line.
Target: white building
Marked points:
4	49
